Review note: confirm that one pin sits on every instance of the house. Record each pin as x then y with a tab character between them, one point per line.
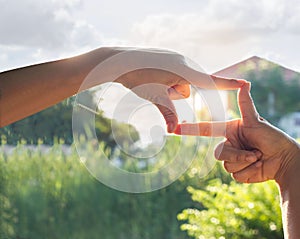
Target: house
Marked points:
289	123
254	63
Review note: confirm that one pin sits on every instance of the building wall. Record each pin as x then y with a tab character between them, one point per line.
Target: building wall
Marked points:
291	124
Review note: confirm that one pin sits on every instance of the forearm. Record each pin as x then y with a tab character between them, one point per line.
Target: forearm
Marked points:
290	199
28	90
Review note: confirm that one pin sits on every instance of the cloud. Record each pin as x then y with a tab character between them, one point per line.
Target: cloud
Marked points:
218	22
222	31
47	25
212	32
33	31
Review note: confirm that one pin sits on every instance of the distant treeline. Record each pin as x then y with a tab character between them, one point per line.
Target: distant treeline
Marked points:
54	125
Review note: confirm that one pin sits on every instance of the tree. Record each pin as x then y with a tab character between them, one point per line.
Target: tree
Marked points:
47	126
55	125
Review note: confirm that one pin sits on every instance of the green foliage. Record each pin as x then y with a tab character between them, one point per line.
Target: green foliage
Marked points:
54	125
234	211
47	126
125	133
52	195
7	213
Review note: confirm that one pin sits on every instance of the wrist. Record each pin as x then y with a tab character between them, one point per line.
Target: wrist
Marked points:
88	61
289	172
83	65
290	194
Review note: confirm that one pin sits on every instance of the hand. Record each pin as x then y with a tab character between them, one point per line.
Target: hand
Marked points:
254	150
160	86
148	75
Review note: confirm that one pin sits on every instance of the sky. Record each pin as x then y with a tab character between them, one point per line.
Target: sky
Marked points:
213	33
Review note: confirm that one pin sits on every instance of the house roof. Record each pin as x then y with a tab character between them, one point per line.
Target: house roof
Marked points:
254	63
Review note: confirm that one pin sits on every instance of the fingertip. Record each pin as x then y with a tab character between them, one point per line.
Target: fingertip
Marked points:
241	82
177	130
172	126
225	83
247	86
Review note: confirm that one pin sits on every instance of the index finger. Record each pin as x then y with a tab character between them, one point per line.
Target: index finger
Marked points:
214	129
223	83
206	81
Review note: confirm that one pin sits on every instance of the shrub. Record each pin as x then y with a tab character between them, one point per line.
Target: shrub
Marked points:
234	211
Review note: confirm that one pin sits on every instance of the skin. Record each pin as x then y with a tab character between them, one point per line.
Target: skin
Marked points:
255	151
28	90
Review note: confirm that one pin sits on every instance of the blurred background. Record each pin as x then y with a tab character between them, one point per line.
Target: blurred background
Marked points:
45	192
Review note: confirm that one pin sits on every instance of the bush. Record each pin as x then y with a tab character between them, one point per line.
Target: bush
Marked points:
234	211
52	195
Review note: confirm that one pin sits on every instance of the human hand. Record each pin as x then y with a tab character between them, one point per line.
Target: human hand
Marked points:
160	85
254	150
151	74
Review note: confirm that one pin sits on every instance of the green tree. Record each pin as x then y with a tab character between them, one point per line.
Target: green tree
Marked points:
55	125
47	126
234	211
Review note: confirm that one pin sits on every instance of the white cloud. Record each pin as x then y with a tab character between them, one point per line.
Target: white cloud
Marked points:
33	31
48	25
215	33
223	31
